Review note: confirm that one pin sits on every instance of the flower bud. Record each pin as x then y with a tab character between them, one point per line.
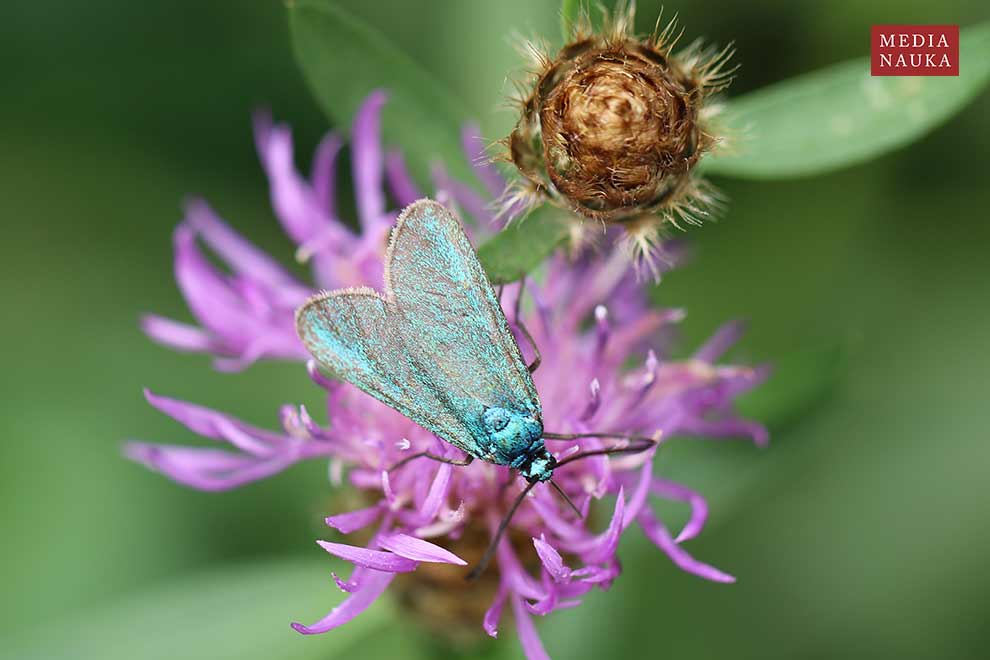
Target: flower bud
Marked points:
613	127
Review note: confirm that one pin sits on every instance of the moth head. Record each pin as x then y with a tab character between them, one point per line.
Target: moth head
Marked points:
512	435
538	466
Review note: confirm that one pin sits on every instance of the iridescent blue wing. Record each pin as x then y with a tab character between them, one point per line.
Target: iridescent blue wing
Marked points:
436	346
451	315
357	335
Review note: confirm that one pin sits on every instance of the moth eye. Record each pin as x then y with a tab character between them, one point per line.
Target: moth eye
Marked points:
500	423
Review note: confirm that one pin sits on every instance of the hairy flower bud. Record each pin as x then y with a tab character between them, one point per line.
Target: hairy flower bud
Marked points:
613	126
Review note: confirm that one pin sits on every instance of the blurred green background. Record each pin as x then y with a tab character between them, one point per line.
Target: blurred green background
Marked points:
860	533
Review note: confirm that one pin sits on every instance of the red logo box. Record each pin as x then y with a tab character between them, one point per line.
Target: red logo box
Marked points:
914	50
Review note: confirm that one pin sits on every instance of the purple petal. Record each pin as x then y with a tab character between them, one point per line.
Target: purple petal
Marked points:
187	458
400	182
347	586
638	499
602	329
474	148
731	427
462	195
494	613
208	293
313	370
548	603
373	559
603	280
266	342
324	176
531	644
632	335
206	471
215	425
437	494
591	576
174	334
366	156
386	487
595	549
551	559
594	400
547	508
418	549
721	341
371	588
680	493
238	252
291	199
515	575
345	523
656	532
238	313
605	545
294	201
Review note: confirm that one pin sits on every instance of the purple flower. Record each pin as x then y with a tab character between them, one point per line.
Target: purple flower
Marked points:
428	519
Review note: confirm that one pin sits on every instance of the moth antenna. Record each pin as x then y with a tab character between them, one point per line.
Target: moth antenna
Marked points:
637	444
560	491
655	439
499	533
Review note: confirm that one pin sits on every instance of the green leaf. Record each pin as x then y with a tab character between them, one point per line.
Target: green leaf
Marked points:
799	381
842	115
344	59
239	612
522	246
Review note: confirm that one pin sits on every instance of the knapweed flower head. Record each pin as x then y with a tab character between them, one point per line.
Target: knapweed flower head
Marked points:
612	127
421	525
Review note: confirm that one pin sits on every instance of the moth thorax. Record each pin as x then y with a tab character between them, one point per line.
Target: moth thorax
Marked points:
512	436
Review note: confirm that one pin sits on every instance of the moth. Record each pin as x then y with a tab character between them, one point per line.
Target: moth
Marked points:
437	347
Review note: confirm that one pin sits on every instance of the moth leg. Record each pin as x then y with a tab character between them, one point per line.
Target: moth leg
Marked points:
498	292
519	297
439	459
535	364
505	486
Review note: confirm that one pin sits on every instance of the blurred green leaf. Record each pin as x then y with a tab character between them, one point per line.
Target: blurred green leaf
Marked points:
344	59
522	246
240	612
842	115
799	381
